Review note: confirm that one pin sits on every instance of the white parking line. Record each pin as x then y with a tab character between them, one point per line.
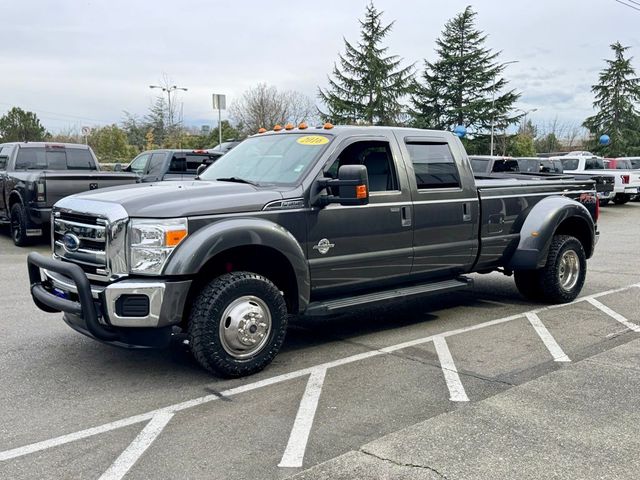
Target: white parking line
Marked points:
134	451
71	437
614	315
456	390
546	337
294	453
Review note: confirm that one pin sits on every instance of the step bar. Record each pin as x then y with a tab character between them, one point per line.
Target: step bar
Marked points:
330	307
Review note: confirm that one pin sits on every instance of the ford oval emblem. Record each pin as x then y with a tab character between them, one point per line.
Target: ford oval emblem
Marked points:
70	242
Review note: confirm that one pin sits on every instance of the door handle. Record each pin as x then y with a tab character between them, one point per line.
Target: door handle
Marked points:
466	212
405	214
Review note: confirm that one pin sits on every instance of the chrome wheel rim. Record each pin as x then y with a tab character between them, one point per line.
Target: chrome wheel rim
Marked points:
569	270
245	326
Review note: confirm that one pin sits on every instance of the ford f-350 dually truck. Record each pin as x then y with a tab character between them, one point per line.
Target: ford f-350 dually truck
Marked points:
303	221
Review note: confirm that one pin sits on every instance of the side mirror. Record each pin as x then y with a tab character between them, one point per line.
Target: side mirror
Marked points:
200	169
352	185
117	167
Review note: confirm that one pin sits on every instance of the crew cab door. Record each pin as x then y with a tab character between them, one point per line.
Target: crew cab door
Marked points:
445	204
365	245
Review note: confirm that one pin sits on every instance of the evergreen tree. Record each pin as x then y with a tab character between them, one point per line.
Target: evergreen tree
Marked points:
461	87
368	87
616	96
20	126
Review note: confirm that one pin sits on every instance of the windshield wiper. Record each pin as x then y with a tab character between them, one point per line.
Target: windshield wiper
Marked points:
236	180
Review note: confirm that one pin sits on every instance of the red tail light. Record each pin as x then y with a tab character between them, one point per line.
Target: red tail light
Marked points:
625	178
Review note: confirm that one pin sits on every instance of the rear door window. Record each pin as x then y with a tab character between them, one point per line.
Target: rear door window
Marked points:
433	165
570	163
594	164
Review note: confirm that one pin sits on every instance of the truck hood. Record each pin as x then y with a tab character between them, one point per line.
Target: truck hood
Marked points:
180	199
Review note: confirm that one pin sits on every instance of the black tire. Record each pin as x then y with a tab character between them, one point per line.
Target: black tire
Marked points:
528	283
551	275
19	225
220	316
621	198
604	202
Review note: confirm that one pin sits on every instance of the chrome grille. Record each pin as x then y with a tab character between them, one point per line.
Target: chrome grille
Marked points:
91	252
100	230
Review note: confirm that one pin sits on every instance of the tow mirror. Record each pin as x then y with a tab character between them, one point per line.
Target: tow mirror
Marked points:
352	187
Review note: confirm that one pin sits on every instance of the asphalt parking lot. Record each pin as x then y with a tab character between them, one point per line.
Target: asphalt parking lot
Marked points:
73	408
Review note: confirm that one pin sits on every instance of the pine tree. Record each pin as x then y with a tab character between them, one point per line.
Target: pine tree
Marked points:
616	96
368	87
461	87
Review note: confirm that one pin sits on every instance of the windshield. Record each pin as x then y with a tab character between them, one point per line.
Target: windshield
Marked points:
54	158
269	160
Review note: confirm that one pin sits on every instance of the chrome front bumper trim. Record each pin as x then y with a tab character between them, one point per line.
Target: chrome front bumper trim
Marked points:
109	295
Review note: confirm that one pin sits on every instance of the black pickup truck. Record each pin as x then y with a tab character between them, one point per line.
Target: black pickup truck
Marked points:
170	164
34	176
304	222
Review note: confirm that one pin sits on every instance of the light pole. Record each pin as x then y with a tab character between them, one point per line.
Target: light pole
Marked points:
168	90
493	102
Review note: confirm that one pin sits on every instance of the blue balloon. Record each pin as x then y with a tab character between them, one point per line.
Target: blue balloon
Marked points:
605	140
460	131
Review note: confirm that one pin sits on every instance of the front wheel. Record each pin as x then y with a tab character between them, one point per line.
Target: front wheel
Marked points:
238	324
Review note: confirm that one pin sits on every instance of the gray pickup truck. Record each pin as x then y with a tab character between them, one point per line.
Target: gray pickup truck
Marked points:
304	222
35	175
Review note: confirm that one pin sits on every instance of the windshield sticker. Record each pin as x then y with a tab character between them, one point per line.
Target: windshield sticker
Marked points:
313	140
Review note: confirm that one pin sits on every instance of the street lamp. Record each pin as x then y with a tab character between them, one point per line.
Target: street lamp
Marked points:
493	102
170	89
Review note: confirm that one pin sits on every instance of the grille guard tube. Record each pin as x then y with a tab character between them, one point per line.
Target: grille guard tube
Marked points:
86	308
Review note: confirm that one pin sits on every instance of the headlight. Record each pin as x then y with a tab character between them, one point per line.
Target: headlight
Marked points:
152	241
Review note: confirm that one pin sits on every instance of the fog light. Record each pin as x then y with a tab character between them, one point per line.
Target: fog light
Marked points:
132	306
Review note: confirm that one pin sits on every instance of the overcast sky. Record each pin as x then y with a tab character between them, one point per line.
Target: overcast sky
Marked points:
76	62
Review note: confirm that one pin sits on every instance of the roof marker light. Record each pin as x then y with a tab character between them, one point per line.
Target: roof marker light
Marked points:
303	126
277	128
289	126
262	130
328	126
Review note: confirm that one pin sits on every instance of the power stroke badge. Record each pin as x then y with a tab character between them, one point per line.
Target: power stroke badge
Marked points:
324	246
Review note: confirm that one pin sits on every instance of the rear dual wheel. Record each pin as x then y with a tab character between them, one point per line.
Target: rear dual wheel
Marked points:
562	278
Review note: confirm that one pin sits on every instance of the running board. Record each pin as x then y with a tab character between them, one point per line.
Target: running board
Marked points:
329	307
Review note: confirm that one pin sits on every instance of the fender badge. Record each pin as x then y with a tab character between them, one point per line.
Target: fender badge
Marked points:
324	246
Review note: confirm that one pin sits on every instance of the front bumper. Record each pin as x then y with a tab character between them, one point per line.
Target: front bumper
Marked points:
58	286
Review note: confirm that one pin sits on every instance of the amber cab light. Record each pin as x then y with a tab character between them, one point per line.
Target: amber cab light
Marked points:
262	130
289	126
277	128
303	126
328	126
